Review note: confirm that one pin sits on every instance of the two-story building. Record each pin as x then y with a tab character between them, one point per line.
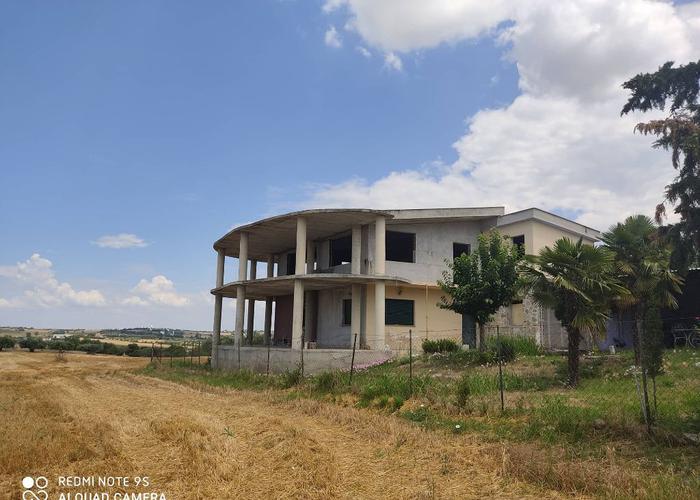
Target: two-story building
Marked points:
334	277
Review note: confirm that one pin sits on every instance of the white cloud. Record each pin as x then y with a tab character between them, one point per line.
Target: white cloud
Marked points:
121	240
332	39
560	145
392	61
37	281
362	50
159	290
405	25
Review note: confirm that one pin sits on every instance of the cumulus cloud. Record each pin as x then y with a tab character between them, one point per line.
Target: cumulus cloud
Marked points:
121	240
332	39
159	290
36	278
362	50
405	25
561	144
392	61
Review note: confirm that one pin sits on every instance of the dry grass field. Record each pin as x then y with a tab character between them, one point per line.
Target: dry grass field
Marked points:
89	415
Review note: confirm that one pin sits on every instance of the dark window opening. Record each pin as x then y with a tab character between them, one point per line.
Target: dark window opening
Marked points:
291	263
400	247
519	241
398	312
347	312
341	251
460	248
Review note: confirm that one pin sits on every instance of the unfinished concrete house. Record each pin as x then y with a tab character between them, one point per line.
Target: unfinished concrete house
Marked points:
334	277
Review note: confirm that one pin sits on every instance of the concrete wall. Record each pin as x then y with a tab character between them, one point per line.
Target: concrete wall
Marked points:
433	245
282	359
331	331
429	320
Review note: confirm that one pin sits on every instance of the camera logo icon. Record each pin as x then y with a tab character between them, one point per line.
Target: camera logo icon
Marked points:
35	488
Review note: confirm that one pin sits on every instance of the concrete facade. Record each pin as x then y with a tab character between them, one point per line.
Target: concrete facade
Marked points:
371	274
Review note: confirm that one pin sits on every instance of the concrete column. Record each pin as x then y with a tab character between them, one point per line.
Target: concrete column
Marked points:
243	258
379	340
310	257
356	261
298	303
298	314
218	303
380	246
268	300
220	260
240	294
356	314
251	304
379	287
301	246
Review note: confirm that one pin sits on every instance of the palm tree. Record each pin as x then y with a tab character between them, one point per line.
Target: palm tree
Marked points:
643	266
578	282
643	262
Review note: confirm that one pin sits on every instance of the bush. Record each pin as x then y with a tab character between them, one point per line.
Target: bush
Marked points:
502	348
32	343
440	345
290	378
463	391
7	343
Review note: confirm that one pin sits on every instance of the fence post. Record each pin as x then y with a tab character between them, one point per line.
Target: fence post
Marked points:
410	361
199	353
192	353
500	369
352	360
302	351
269	342
152	349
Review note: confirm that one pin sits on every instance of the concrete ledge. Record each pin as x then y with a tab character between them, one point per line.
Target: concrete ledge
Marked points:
283	359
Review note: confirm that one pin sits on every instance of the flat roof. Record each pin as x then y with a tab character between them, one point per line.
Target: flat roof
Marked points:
550	219
445	214
262	288
278	234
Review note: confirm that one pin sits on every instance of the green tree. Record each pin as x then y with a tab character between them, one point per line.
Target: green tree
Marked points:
480	283
32	343
7	343
642	260
678	132
578	282
643	264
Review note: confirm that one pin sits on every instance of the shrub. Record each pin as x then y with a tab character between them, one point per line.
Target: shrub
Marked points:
290	378
439	345
7	343
32	343
503	349
463	392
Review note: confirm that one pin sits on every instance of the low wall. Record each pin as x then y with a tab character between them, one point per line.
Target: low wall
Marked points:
283	359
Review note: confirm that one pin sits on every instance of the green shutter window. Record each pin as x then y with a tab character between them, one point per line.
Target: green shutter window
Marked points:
398	312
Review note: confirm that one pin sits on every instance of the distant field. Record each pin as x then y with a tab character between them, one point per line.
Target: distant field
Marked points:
89	415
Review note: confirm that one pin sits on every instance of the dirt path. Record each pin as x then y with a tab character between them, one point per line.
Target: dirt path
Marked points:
88	416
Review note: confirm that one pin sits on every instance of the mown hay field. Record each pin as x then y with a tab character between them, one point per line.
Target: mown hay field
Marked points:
93	415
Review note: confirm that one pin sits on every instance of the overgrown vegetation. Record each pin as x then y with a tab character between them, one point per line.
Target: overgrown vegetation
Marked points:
457	392
439	345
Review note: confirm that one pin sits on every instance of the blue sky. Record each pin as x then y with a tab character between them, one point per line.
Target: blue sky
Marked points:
174	121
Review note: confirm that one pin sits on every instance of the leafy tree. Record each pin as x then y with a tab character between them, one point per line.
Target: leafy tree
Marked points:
678	132
32	343
480	283
578	282
7	343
